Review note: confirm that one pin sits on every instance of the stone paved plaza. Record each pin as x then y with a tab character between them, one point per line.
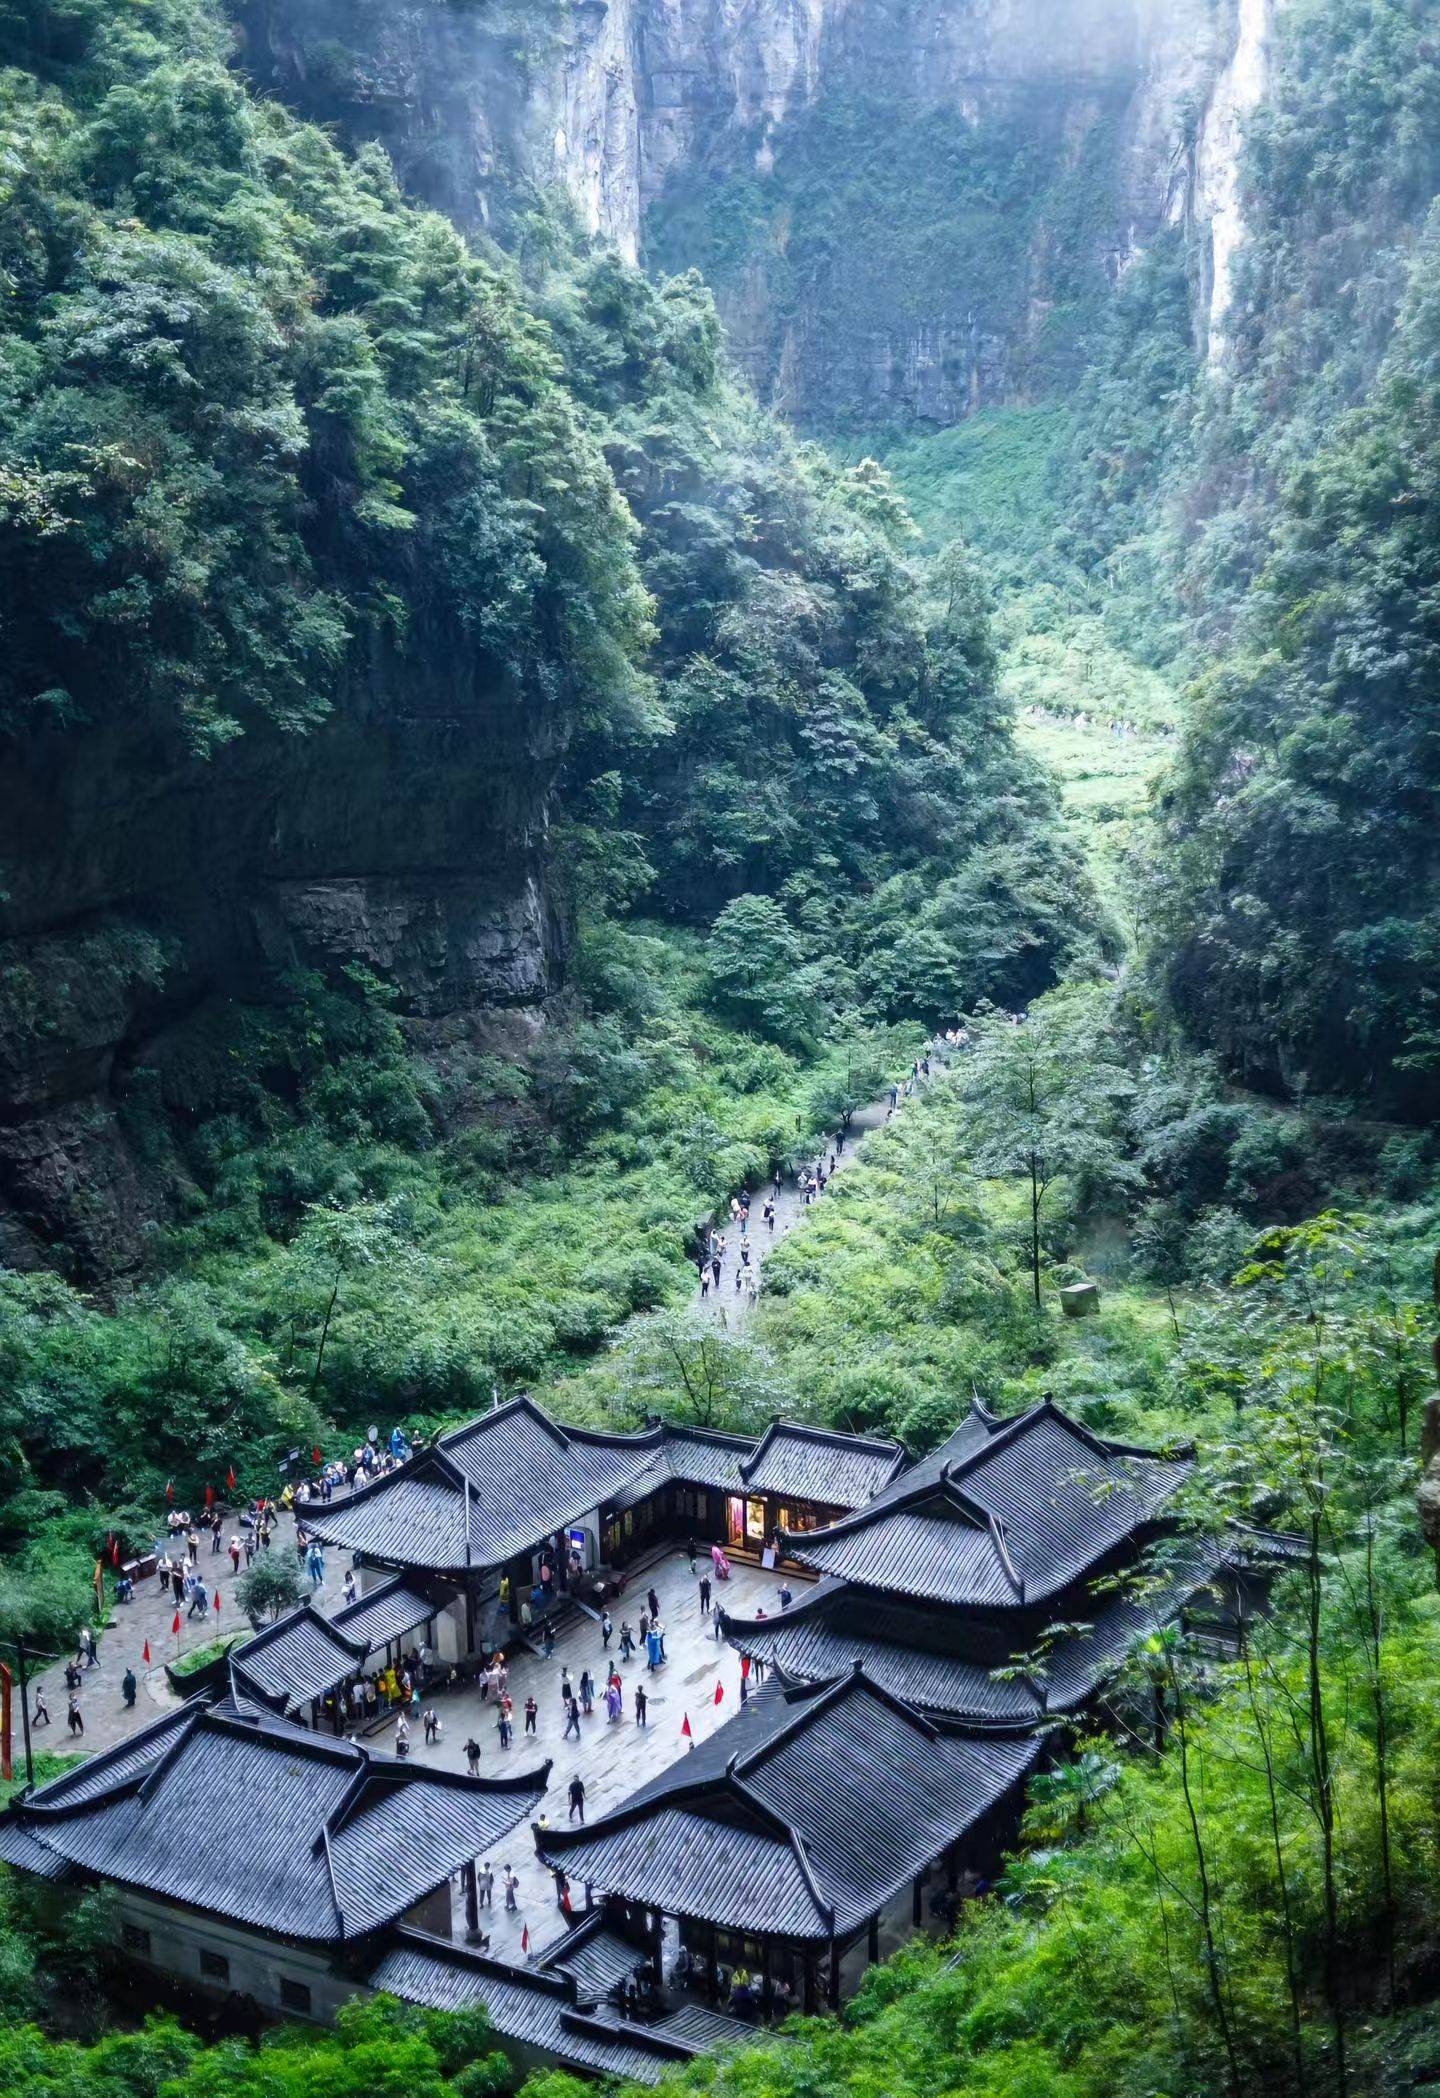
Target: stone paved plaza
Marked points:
611	1759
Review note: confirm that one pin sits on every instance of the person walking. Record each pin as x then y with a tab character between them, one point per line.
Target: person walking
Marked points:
607	1630
531	1715
641	1705
572	1720
627	1640
217	1531
715	1265
77	1724
128	1687
192	1546
512	1883
41	1714
235	1555
577	1798
485	1886
472	1756
587	1691
199	1599
503	1728
653	1601
705	1592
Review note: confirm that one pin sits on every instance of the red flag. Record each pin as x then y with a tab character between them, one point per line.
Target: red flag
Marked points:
115	1553
209	1496
175	1627
685	1728
315	1454
719	1693
169	1489
525	1939
217	1602
146	1655
230	1478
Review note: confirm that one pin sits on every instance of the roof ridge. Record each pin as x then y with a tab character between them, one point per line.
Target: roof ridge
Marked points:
812	1887
997	1532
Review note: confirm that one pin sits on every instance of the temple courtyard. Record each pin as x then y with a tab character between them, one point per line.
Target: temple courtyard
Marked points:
612	1760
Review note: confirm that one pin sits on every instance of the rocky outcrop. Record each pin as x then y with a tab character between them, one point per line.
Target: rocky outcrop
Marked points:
1127	112
148	887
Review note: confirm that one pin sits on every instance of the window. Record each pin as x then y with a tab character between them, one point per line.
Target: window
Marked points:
755	1521
214	1966
294	1995
135	1940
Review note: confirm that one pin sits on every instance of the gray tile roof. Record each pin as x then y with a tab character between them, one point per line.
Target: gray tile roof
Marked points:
800	1817
957	1663
1026	1508
390	1611
495	1488
544	2009
299	1657
272	1826
813	1464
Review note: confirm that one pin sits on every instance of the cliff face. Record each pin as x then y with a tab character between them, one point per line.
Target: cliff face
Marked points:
149	893
907	208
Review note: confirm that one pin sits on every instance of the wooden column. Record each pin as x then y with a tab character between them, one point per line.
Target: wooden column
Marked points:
834	1975
917	1906
472	1898
714	1964
873	1942
809	1985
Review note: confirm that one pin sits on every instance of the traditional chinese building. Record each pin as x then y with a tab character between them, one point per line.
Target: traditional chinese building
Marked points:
1008	1575
254	1858
797	1833
491	1501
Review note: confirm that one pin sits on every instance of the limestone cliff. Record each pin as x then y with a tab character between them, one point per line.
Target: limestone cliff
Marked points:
989	166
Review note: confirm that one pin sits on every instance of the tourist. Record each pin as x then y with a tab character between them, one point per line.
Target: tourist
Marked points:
715	1265
705	1594
41	1714
566	1693
641	1702
653	1600
88	1651
192	1546
402	1736
511	1885
654	1651
503	1728
614	1700
587	1691
607	1629
577	1798
531	1715
235	1555
548	1642
432	1726
77	1724
485	1886
472	1756
350	1590
199	1599
572	1720
217	1530
128	1687
627	1641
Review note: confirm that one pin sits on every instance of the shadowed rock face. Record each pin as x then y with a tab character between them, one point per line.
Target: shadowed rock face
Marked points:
146	887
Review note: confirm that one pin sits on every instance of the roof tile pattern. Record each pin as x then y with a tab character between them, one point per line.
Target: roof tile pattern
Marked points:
491	1491
276	1827
800	1817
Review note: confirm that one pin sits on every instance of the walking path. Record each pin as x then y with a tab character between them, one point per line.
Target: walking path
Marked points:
149	1617
732	1307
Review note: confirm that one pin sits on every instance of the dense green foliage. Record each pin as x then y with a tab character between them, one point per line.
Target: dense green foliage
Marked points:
259	416
1302	927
